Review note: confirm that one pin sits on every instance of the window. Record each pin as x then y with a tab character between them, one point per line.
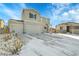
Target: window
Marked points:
61	27
45	27
35	16
32	15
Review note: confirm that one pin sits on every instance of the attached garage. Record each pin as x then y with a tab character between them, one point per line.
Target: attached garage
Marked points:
16	26
26	26
33	27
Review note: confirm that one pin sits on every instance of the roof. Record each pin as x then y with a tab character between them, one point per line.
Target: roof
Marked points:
69	23
45	18
13	20
19	20
32	10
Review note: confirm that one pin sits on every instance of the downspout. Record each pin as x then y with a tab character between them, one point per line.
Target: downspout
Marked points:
23	27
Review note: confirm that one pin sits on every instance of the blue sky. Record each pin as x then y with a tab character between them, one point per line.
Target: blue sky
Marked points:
56	12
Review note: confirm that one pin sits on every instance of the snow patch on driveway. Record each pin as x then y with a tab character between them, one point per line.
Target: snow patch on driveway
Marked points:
50	45
71	36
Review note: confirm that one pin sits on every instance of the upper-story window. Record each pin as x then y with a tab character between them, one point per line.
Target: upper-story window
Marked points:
32	15
35	16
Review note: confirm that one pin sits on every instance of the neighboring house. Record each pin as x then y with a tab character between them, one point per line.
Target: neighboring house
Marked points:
1	26
1	23
31	22
6	29
69	27
52	30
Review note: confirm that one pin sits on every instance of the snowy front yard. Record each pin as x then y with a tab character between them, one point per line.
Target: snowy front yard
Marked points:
9	44
40	45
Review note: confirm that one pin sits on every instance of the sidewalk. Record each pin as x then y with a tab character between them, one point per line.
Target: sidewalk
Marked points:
71	36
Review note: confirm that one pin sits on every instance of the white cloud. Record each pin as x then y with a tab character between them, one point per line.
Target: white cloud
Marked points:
60	15
77	17
6	22
72	12
77	10
65	14
10	13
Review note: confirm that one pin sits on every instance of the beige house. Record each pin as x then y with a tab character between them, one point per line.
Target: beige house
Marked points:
52	30
1	24
69	27
31	22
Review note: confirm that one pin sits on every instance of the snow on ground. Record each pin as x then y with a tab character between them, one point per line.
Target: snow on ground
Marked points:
71	36
36	47
49	45
44	44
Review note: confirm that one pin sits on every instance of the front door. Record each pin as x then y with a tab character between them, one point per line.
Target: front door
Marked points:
68	29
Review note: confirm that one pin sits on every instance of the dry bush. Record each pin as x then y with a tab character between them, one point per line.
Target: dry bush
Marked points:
11	43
